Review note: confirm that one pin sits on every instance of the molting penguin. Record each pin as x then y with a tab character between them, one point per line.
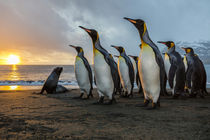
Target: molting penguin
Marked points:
176	72
138	82
83	73
196	74
126	71
104	69
51	84
151	66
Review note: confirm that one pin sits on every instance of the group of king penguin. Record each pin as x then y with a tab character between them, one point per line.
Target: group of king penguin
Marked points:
150	70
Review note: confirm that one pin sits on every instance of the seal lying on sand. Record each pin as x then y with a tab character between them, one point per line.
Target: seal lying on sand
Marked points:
51	84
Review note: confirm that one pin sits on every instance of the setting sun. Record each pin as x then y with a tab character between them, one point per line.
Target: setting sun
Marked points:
13	59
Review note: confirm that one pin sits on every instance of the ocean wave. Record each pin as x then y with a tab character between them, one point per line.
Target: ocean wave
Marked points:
33	83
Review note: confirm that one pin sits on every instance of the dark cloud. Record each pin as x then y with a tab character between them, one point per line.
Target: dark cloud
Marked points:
45	28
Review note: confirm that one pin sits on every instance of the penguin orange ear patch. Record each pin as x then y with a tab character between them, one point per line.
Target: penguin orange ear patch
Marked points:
172	45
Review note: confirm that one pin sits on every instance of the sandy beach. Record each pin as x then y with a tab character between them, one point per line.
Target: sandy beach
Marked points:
27	115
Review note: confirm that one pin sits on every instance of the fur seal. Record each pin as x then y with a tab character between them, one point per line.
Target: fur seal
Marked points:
51	84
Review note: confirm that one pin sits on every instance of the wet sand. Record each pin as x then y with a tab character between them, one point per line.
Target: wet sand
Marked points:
26	115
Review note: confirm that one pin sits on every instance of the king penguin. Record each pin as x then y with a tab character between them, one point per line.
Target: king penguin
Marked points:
137	78
83	73
176	71
151	66
104	69
196	74
126	71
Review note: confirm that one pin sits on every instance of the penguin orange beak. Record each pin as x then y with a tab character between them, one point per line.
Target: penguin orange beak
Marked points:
87	30
72	46
115	47
131	20
183	48
162	42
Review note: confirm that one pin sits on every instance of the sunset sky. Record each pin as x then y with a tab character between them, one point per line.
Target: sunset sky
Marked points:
39	31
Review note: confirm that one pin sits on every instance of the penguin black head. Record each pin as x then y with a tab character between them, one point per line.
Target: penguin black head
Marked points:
119	48
139	24
188	50
77	48
169	44
134	57
92	33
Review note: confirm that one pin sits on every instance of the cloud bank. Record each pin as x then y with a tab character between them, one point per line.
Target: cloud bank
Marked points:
40	31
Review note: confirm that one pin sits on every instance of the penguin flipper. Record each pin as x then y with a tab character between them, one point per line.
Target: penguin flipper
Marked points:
172	72
131	70
160	63
87	65
114	72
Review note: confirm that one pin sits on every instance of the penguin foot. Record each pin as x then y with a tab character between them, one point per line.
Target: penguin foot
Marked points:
100	102
146	102
151	108
110	102
80	97
130	95
154	106
90	95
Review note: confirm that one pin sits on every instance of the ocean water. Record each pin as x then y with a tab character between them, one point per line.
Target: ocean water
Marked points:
33	76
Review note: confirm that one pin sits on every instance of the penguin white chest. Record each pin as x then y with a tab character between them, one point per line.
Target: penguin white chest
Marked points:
185	63
81	74
124	74
149	72
167	65
103	74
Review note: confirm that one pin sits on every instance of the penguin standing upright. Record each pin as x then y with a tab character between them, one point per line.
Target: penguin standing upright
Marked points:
176	72
104	69
126	71
138	82
151	66
196	74
83	73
